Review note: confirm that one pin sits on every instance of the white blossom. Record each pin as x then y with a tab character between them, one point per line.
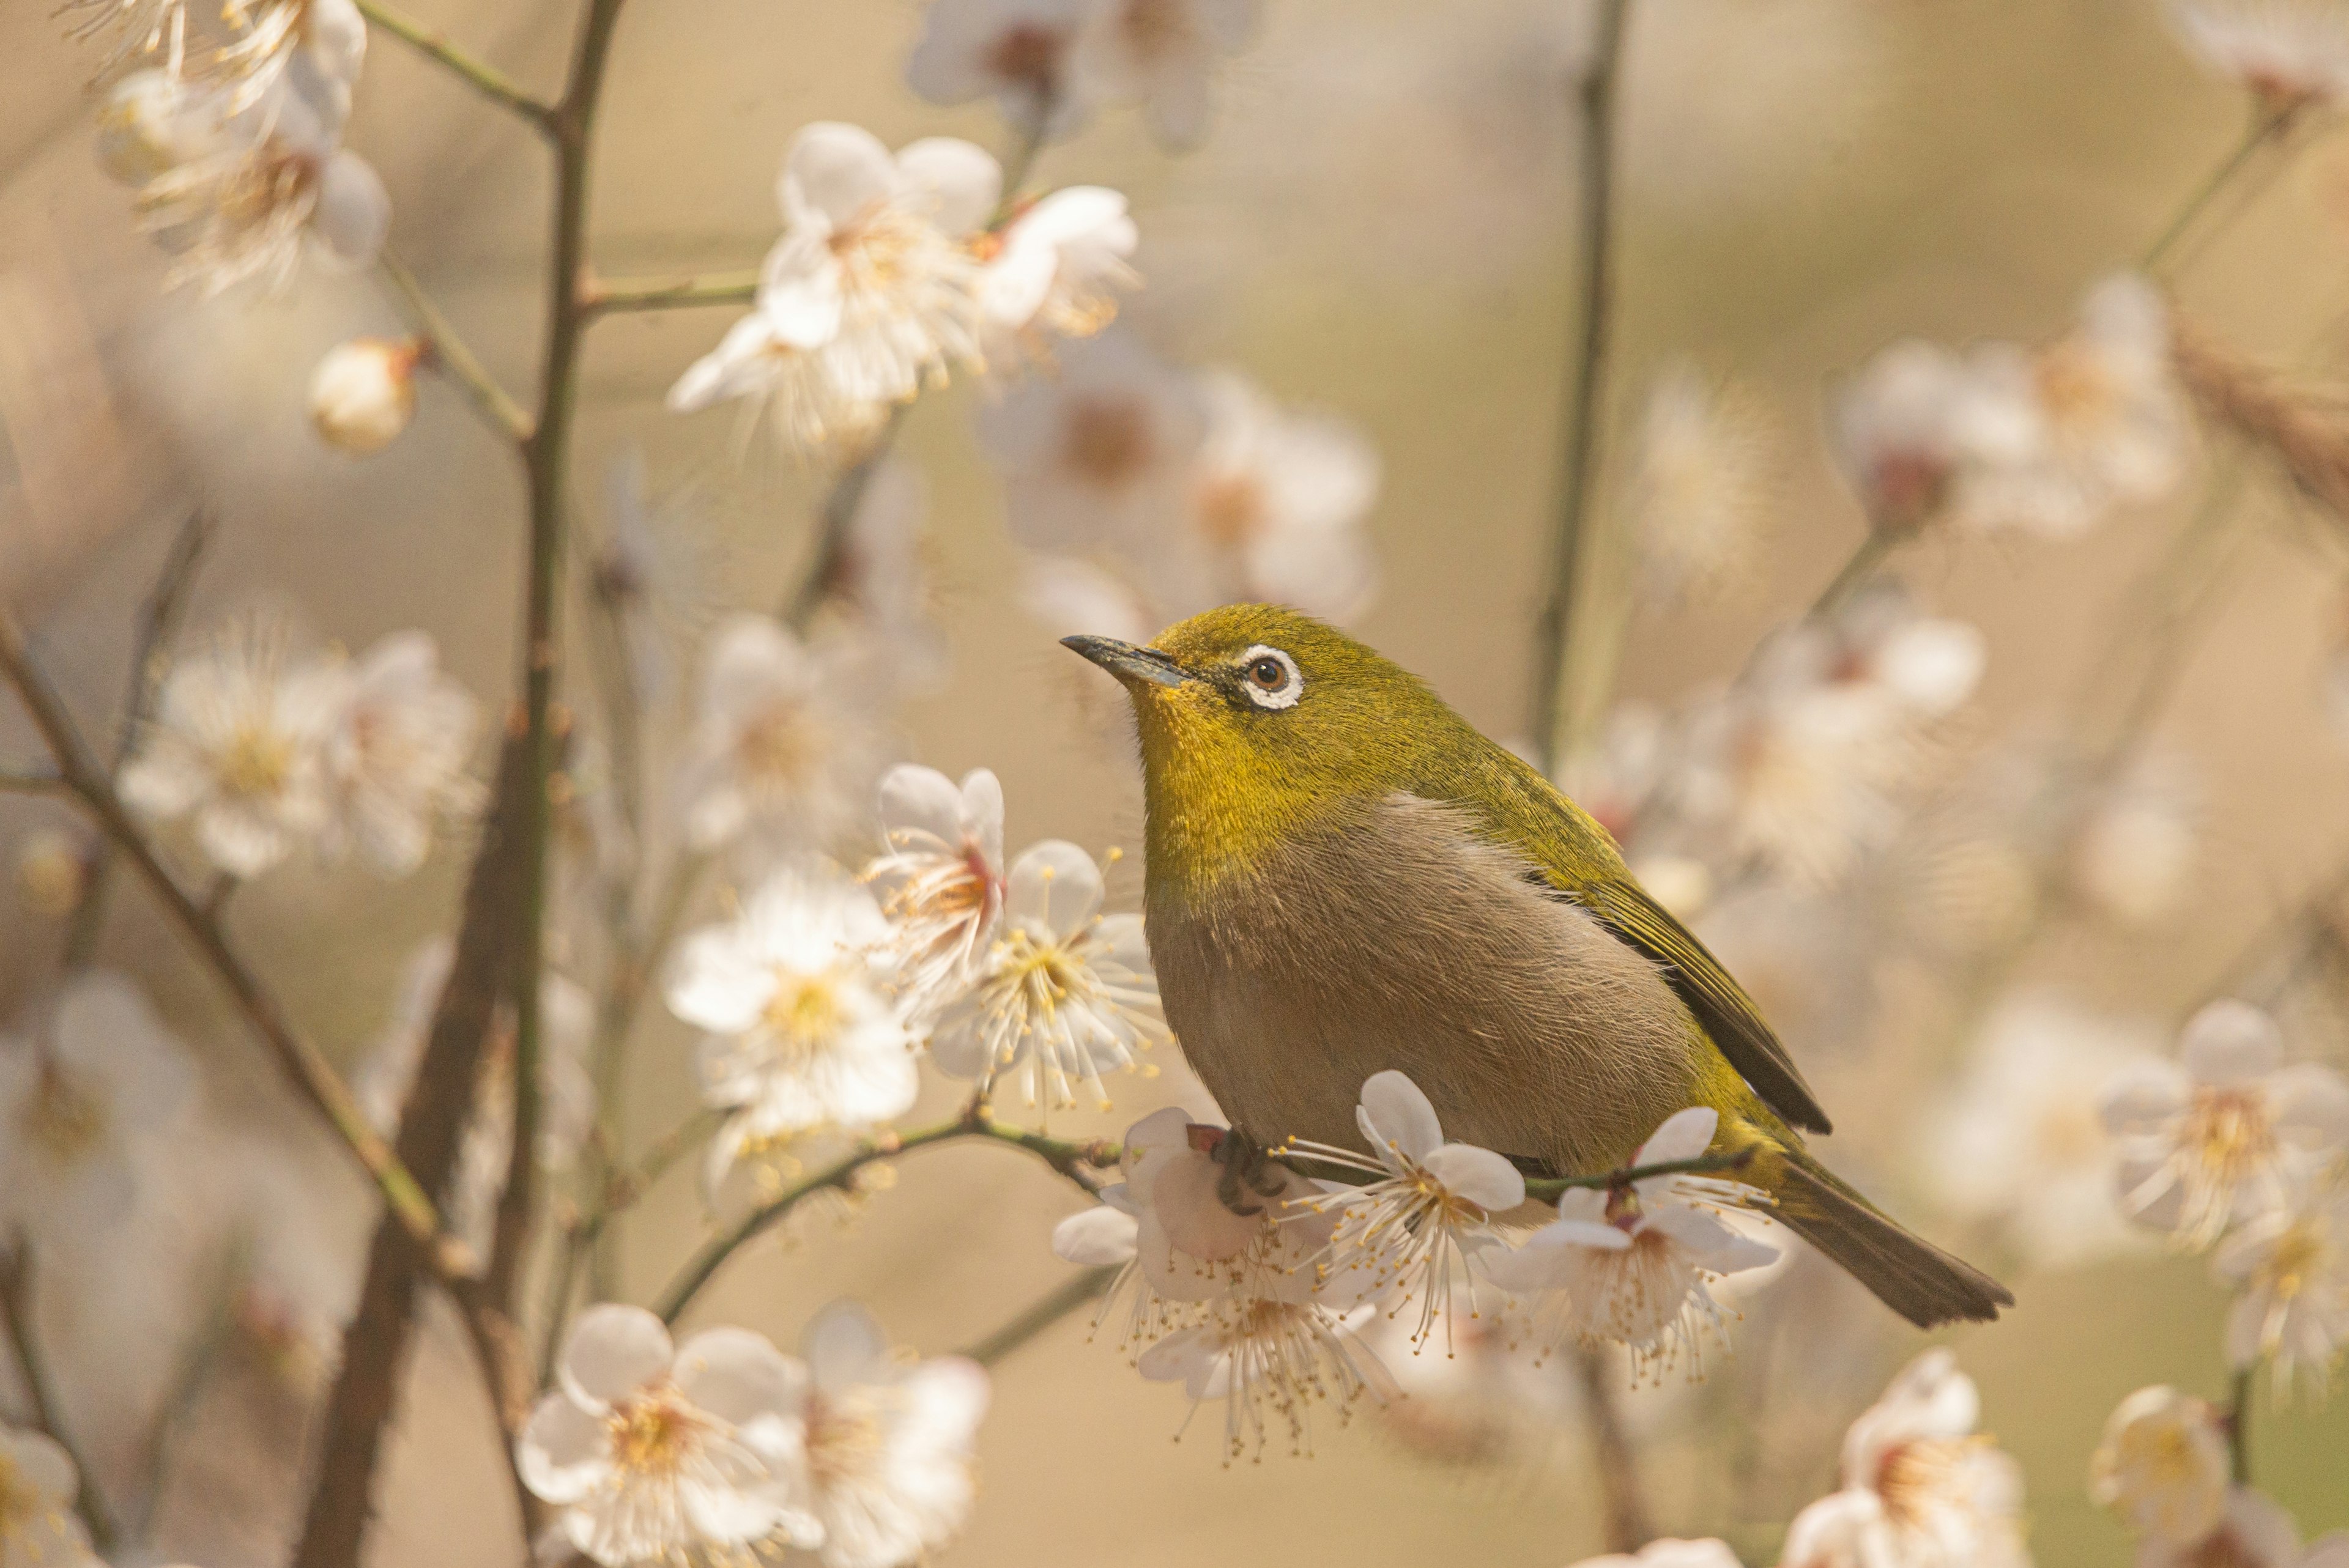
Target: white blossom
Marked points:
1058	266
2163	1466
2020	1144
889	1468
655	1452
2289	1269
363	394
2252	1531
38	1527
396	758
1014	51
1634	1264
2290	53
2227	1132
1903	429
1100	455
1429	1213
802	1031
940	876
2134	855
1063	989
1163	54
238	745
783	740
90	1077
1698	483
566	1088
1921	1487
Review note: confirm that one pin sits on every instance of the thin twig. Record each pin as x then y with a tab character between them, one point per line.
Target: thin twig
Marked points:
1629	1525
2238	1426
31	781
1548	1189
482	78
1857	569
2267	125
313	1077
1074	1160
1076	1291
159	625
447	353
40	1389
1577	482
820	578
612	296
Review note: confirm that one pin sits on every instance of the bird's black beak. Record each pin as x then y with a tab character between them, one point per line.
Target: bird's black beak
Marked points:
1127	662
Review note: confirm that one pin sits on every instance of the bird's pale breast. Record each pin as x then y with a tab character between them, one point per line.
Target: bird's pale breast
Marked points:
1394	937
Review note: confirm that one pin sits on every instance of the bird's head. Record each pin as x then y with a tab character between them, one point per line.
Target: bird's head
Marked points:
1257	720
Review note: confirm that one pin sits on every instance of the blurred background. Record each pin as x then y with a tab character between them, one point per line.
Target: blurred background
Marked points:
1376	226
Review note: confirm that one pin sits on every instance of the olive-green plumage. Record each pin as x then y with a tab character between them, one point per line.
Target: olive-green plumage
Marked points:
1343	876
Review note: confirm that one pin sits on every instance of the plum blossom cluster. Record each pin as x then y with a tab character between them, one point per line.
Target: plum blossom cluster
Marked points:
820	1000
1150	492
723	1448
261	749
239	168
895	270
1253	1285
2167	1467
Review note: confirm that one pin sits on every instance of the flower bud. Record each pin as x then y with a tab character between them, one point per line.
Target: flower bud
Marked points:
363	394
50	873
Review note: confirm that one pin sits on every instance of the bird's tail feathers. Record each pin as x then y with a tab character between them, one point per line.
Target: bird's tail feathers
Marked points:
1908	1274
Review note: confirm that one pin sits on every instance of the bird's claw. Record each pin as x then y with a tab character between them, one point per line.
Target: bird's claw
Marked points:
1249	1172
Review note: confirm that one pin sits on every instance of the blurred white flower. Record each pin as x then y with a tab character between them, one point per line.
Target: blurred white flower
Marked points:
1900	430
890	1468
38	1527
363	394
2289	53
1101	454
2096	417
1014	51
1489	1399
2132	856
656	1452
396	759
1698	483
1058	267
1064	988
659	568
267	181
1634	1264
940	877
1274	511
566	1088
2226	1134
2163	1466
880	578
1920	1489
240	44
2252	1533
783	740
2019	1144
238	744
82	1089
2289	1271
799	390
1429	1212
1163	54
801	1030
152	123
1668	1553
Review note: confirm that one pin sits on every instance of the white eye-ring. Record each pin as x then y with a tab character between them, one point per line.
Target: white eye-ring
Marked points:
1270	677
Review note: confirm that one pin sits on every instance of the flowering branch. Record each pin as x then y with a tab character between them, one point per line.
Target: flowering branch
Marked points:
1549	1188
16	1315
2237	1422
447	353
158	621
312	1075
2268	126
1077	1162
482	78
1077	1290
836	521
33	781
1580	427
611	297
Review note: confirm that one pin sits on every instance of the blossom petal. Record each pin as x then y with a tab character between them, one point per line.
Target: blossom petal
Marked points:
962	182
354	210
739	1376
1479	1175
613	1351
2143	1096
2230	1042
832	172
982	811
1056	885
845	1345
2312	1106
1095	1237
921	800
1684	1134
1395	1111
564	1453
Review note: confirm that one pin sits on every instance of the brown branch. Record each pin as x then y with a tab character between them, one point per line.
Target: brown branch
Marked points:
1628	1524
16	1315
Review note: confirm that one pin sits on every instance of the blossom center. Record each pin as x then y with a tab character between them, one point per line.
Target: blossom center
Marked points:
653	1436
1920	1478
806	1010
2294	1262
2076	388
779	747
1109	442
1232	510
2227	1132
1910	489
1156	28
1029	55
845	1440
256	761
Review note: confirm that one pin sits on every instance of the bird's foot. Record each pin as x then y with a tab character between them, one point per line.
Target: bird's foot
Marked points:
1249	1173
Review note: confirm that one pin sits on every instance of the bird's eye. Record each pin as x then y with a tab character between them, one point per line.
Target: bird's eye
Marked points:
1270	677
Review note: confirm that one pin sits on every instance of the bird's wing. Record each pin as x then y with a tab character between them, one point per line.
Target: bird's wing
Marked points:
1719	1002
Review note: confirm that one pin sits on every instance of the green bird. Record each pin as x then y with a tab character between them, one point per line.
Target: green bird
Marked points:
1344	877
